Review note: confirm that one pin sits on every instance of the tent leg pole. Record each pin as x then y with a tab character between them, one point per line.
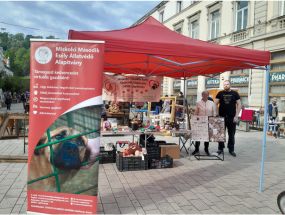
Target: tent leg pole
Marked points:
184	93
261	180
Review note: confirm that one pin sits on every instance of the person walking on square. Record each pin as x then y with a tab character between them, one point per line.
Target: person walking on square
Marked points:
273	110
229	108
205	107
8	100
273	117
23	100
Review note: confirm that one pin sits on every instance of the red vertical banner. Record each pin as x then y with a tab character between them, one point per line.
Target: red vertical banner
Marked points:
64	126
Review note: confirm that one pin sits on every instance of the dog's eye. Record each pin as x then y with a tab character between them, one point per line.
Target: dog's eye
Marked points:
58	137
63	133
79	141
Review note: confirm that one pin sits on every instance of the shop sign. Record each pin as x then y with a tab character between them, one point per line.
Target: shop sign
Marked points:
213	82
192	83
66	79
239	79
176	84
131	88
277	77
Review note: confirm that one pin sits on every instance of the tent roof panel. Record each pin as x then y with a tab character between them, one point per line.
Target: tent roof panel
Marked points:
150	38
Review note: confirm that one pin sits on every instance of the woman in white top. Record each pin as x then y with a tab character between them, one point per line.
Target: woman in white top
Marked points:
205	107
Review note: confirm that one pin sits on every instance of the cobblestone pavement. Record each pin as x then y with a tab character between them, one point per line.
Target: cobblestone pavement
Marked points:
192	186
15	108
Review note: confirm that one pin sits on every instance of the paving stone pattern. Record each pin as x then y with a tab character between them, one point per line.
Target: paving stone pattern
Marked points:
190	187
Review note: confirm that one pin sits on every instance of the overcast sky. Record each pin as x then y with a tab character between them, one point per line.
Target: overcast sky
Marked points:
56	18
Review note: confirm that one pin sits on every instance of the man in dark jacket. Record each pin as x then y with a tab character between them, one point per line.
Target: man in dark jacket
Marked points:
272	116
273	109
8	100
229	108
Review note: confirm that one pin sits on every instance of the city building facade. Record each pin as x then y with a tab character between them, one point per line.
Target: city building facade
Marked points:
258	25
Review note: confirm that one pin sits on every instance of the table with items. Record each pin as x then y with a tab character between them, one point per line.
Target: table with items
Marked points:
142	154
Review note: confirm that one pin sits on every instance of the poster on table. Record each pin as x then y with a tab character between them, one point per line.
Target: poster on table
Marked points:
64	125
217	129
131	88
199	128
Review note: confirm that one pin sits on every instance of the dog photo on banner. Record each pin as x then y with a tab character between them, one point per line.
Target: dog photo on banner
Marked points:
65	158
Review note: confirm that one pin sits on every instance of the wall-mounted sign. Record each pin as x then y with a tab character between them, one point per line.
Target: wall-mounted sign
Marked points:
212	82
192	83
239	79
176	84
277	77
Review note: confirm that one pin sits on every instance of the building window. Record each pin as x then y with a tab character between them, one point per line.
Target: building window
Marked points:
278	61
178	30
194	29
282	7
178	27
240	72
178	6
161	16
215	24
241	15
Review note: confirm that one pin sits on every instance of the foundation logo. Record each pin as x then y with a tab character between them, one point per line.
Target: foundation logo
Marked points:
43	55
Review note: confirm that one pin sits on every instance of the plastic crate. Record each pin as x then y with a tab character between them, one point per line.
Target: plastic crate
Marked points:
165	162
160	142
131	163
153	152
154	163
107	156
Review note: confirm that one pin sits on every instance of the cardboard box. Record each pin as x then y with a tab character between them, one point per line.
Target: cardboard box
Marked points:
171	150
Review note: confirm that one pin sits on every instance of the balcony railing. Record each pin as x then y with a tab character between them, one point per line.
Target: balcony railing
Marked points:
282	23
277	23
239	36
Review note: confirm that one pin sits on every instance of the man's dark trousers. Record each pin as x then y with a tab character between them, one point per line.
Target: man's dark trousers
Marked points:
231	127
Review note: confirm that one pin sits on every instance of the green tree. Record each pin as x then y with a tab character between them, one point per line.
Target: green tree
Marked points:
4	40
50	37
26	43
20	62
15	84
16	40
17	48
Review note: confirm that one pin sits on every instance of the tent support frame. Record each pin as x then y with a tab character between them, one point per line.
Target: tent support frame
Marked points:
267	70
261	180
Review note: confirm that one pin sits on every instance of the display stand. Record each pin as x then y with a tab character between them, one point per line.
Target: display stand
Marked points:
203	156
184	136
208	129
210	157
